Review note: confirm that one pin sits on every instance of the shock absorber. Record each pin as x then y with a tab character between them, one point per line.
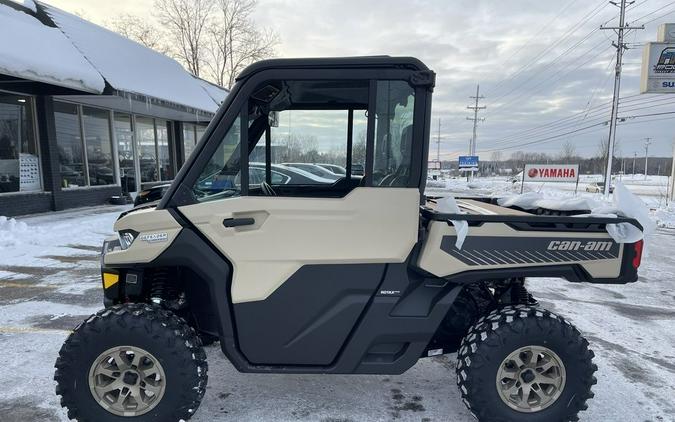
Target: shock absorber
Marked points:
520	295
159	285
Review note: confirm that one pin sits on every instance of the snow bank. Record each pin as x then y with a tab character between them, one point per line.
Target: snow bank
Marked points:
665	217
131	67
33	51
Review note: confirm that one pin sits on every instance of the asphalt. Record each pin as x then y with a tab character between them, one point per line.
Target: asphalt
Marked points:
630	328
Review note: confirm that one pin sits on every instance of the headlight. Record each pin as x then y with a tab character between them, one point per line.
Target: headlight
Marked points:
127	237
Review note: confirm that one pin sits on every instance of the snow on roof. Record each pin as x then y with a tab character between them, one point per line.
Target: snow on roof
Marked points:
131	67
31	50
216	92
28	4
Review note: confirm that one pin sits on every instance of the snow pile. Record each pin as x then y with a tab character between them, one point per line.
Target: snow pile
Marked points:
448	205
534	200
12	232
624	204
40	53
131	67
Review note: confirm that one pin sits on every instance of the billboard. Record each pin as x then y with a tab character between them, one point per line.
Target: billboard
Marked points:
434	165
468	161
551	173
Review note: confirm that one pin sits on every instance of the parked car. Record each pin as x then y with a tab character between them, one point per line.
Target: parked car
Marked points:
339	170
314	169
598	187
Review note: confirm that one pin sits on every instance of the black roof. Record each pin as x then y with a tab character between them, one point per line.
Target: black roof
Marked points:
335	62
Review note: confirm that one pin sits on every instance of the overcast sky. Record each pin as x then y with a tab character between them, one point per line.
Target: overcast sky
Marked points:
536	61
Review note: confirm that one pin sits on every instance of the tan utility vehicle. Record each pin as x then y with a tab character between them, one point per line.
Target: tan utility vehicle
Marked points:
358	275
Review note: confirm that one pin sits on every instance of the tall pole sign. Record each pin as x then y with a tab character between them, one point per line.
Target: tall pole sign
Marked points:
658	63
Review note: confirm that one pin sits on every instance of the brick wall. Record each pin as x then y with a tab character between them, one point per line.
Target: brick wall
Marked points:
21	203
84	197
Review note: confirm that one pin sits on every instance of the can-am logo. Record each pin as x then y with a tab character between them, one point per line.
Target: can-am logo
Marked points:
154	237
575	245
666	63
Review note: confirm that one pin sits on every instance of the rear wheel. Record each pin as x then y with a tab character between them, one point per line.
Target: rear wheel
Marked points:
522	363
131	361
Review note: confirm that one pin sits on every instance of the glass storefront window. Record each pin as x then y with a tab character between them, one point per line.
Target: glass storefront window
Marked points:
125	151
96	124
145	135
189	140
69	142
19	163
165	166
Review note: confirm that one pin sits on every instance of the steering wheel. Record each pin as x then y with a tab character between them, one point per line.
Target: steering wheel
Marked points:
267	189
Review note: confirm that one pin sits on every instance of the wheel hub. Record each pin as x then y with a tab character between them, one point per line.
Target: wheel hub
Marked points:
531	379
127	381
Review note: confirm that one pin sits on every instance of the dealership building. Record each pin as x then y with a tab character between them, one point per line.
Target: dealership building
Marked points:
86	114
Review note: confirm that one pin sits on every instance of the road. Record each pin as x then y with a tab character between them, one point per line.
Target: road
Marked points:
49	282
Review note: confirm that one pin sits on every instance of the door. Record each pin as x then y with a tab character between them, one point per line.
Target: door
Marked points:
308	252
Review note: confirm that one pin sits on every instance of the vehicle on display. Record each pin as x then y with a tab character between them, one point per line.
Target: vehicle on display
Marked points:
598	187
359	276
314	169
335	169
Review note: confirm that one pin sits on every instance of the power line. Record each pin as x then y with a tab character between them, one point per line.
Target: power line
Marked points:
562	38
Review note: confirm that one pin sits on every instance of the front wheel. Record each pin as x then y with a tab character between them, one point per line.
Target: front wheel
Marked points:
131	361
522	363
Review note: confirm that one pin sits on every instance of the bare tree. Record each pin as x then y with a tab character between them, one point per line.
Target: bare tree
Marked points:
568	153
235	42
140	30
186	22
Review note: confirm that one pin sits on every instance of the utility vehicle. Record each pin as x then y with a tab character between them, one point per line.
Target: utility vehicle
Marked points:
359	276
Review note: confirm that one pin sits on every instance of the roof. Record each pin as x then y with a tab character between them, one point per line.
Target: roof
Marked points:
359	62
30	56
78	54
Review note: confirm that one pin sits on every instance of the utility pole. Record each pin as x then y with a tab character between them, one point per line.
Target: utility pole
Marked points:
634	157
475	119
620	47
647	142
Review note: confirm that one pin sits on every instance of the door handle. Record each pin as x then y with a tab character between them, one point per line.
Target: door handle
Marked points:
238	222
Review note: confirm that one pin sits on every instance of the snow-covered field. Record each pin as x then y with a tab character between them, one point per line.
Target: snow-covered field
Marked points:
49	281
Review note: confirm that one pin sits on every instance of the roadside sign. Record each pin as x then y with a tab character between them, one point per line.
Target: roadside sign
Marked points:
551	173
658	63
468	161
434	165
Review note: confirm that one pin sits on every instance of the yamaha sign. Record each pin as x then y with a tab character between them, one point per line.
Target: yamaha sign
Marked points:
658	63
551	173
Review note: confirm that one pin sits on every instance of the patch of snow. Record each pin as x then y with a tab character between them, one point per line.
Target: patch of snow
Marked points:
31	50
12	231
131	67
534	200
665	217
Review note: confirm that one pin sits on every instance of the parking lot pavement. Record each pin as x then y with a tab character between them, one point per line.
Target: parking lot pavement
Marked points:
49	282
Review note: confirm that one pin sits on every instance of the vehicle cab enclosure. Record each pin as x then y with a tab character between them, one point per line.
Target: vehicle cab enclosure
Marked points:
333	276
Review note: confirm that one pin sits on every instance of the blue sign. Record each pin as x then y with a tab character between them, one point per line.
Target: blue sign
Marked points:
468	161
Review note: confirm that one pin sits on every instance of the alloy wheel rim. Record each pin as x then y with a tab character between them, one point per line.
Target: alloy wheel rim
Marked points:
530	379
127	381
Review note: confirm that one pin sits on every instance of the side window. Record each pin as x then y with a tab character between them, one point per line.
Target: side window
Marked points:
393	133
220	177
305	139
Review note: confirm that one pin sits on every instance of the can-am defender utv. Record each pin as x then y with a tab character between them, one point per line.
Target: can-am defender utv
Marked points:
355	276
